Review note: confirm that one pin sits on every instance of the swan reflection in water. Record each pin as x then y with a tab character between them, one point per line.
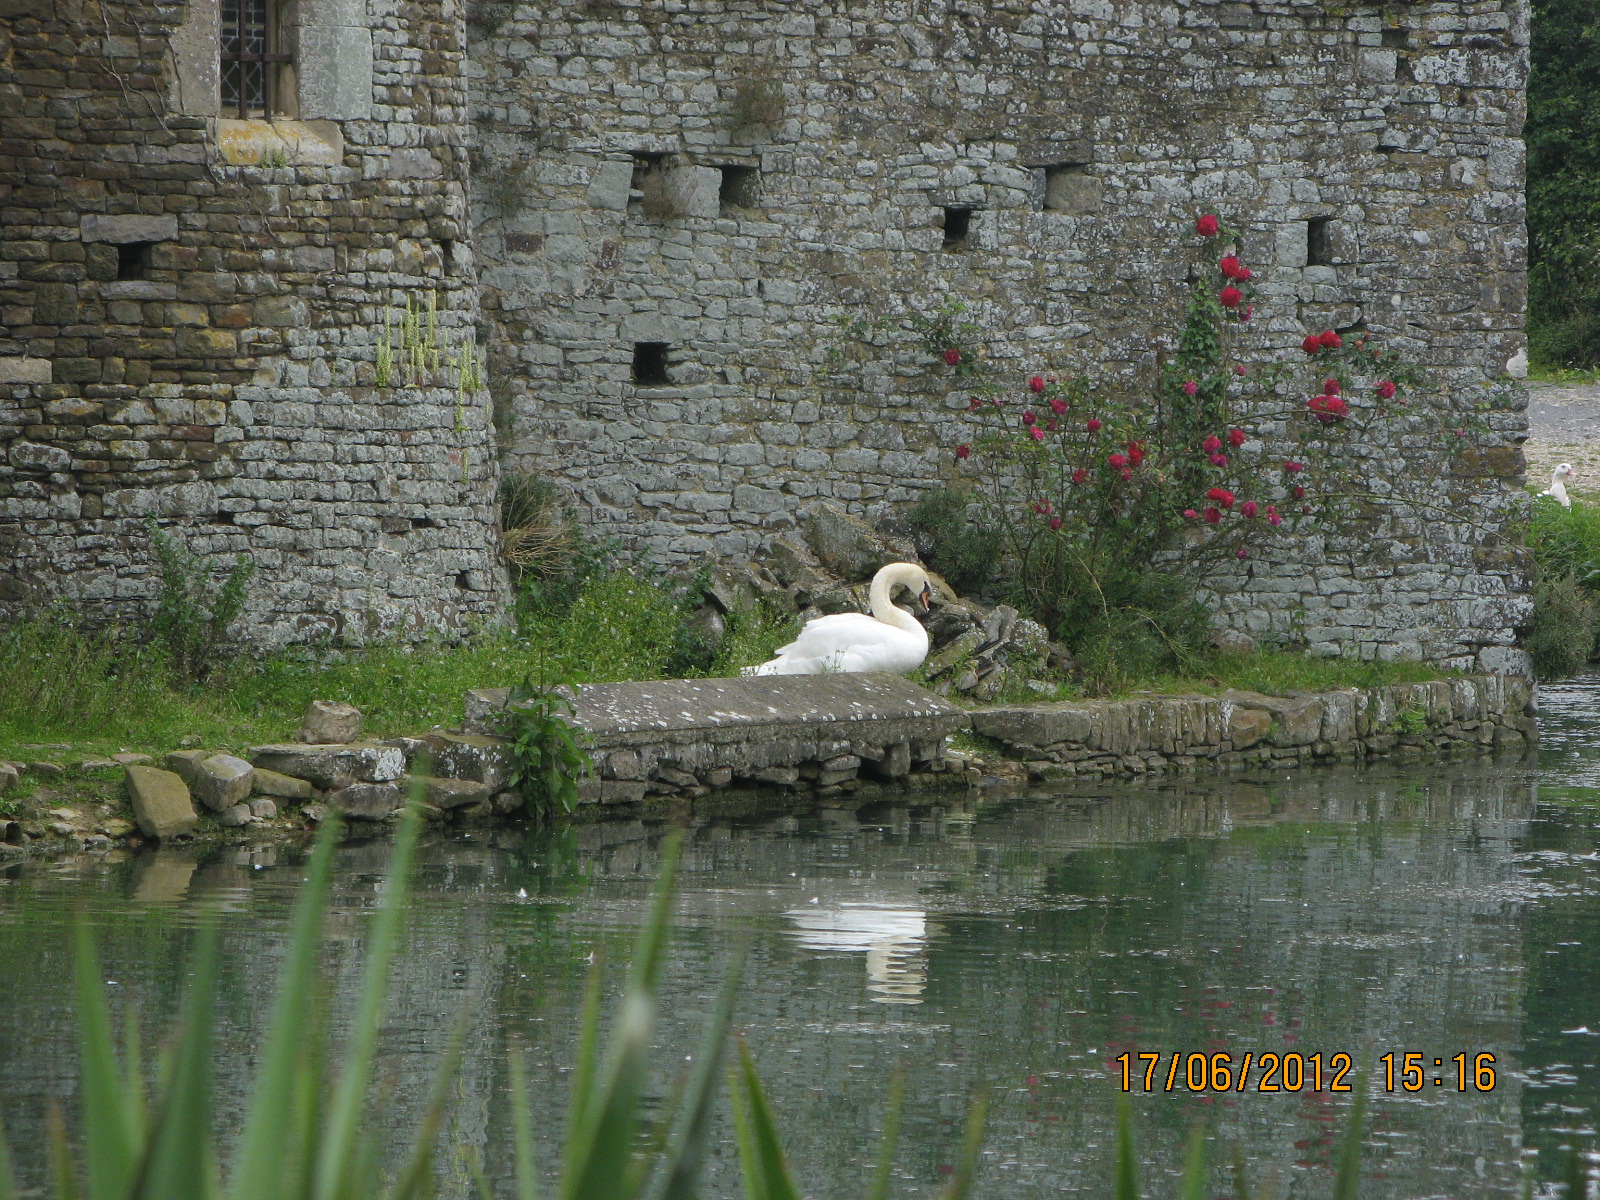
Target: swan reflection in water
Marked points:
895	941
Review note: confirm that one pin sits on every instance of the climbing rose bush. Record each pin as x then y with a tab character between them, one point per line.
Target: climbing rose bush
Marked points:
1107	506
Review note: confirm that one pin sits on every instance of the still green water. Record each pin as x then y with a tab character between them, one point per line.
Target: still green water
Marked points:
1015	946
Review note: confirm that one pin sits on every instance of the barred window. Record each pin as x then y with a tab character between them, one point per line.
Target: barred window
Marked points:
252	57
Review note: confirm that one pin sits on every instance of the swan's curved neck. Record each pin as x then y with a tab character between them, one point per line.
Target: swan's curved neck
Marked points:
881	599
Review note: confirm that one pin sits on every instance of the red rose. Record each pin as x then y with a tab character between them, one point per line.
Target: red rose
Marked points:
1299	493
1127	474
1330	340
1236	438
1038	434
1207	225
952	356
1229	266
1330	387
1242	552
1058	406
1273	518
1219	460
1249	508
1292	467
1135	453
1212	444
1093	425
1249	309
1312	344
1190	513
1117	460
1222	496
1386	389
1240	369
1079	475
1036	384
1335	406
1244	274
1230	297
1212	516
973	404
963	450
1027	417
1055	522
1190	387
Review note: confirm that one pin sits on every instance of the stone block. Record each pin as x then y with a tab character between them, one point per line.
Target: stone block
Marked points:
471	756
285	787
332	766
609	187
336	75
9	776
446	793
263	810
1248	726
129	227
161	804
26	370
366	801
328	722
31	456
235	816
221	781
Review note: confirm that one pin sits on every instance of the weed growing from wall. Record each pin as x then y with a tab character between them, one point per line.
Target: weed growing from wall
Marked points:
194	611
547	757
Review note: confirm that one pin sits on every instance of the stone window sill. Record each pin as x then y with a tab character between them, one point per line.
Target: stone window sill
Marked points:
256	142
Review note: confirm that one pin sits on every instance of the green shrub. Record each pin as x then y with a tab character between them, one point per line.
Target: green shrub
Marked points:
194	611
1563	636
547	759
955	544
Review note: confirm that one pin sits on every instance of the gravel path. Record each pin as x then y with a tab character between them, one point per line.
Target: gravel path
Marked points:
1563	426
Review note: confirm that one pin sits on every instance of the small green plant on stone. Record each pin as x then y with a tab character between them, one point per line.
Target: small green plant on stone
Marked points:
194	612
1411	721
757	100
547	760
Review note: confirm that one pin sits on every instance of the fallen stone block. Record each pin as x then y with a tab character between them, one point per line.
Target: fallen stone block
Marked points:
264	810
366	801
221	781
132	760
446	793
327	722
287	787
161	803
234	816
332	766
9	776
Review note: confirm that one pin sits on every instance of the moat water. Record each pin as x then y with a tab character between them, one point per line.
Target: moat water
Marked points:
1015	947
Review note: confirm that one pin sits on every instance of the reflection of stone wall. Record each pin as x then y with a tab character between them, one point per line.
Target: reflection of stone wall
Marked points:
191	310
720	183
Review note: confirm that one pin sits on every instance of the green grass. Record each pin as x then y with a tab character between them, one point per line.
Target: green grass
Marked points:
1541	372
108	691
1276	672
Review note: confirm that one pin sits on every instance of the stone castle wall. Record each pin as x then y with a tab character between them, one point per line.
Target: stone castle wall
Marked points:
191	309
719	182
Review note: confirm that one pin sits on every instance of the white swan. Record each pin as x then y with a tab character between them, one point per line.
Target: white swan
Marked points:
891	639
1558	484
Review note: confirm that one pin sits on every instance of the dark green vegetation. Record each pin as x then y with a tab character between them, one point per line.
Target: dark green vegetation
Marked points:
1563	136
1565	543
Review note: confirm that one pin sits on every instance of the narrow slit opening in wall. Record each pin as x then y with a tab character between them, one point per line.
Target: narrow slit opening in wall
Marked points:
740	188
1319	242
957	225
133	260
447	253
651	361
1396	39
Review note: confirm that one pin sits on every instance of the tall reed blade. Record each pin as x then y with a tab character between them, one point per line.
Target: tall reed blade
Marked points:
1192	1185
1348	1179
258	1173
1127	1175
522	1128
690	1136
891	1136
336	1153
601	1163
8	1181
759	1147
178	1158
971	1147
61	1169
110	1121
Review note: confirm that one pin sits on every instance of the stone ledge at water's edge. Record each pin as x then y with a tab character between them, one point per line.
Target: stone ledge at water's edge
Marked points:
821	733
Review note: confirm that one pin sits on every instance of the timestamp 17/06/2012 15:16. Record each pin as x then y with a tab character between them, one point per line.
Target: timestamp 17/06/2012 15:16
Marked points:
1293	1072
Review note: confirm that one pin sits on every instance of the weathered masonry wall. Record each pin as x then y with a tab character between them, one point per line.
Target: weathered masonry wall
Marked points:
192	309
677	199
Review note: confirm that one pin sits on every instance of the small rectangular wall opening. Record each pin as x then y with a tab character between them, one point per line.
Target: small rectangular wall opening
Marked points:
957	225
644	162
740	188
133	260
1319	242
1396	39
651	363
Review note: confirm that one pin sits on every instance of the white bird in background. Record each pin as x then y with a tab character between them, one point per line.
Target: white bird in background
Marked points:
1558	484
891	639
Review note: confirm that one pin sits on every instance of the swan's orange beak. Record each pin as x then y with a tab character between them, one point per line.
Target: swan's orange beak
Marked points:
925	597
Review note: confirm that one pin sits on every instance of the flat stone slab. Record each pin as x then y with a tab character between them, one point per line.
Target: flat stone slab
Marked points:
611	712
161	803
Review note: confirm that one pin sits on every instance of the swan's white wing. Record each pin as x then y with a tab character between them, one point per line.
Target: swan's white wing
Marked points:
828	635
847	642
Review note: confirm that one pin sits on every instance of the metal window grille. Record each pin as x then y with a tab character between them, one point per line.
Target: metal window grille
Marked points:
250	41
